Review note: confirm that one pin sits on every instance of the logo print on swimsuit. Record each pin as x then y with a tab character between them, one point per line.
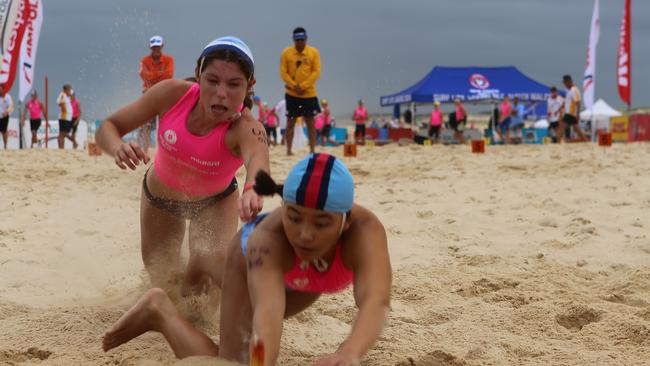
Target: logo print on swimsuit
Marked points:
479	81
170	137
301	282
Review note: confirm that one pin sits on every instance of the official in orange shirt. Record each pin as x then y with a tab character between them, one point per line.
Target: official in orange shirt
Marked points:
154	68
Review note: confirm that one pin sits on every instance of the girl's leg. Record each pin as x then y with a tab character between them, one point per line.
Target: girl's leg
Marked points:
156	312
209	234
161	234
34	138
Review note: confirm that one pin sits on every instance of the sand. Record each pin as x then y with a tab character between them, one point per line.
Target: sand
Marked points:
526	255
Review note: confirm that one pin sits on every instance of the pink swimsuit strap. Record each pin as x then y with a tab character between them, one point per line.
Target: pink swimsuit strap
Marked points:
193	164
335	279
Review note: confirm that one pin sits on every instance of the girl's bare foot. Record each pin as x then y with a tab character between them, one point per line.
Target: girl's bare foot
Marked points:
152	308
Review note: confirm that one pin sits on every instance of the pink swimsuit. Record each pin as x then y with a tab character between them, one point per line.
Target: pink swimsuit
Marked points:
335	279
306	278
34	107
360	115
192	164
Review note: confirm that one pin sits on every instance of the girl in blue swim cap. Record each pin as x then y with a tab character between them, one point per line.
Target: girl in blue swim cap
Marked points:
318	242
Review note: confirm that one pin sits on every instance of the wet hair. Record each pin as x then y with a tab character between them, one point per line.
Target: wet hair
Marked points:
229	56
266	186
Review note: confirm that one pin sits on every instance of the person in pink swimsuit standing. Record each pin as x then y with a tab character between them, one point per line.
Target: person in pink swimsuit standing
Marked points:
35	109
76	115
206	133
436	122
318	242
360	117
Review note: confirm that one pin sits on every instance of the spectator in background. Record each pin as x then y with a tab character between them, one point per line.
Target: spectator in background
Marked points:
436	122
154	68
65	116
257	101
281	112
458	122
6	107
327	124
571	110
408	116
35	109
270	122
505	118
554	112
517	121
360	117
299	69
76	115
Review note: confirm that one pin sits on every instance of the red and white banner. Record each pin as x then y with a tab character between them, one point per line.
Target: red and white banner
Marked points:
13	28
28	48
589	81
624	64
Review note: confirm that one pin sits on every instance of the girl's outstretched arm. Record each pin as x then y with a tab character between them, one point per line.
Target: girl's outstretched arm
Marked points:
372	284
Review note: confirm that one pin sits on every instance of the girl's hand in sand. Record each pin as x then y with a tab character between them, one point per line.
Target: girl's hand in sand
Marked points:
337	359
250	204
130	154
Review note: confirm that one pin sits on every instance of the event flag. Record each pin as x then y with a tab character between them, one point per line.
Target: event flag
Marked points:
15	15
624	63
28	47
589	82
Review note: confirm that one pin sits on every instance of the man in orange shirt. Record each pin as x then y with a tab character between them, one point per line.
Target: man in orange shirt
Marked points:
154	68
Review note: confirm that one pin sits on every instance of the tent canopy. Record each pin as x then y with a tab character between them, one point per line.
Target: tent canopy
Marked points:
599	109
470	84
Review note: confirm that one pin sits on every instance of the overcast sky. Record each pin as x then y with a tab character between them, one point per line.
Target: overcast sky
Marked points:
368	48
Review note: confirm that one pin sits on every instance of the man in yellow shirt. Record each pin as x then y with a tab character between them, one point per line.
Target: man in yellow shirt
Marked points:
299	69
571	111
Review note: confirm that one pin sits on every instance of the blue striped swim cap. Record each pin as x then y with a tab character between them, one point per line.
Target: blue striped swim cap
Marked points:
320	181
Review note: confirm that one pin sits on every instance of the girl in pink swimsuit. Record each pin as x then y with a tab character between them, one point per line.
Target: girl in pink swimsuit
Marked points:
35	108
318	242
206	134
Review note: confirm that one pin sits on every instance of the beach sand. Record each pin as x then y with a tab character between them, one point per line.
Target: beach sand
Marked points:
526	255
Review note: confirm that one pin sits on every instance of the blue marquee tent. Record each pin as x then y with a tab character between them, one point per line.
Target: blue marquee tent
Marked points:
471	84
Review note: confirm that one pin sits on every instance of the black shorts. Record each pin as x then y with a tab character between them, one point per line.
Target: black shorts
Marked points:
271	131
554	125
75	124
326	131
569	119
4	123
35	124
65	126
434	130
301	107
360	130
457	126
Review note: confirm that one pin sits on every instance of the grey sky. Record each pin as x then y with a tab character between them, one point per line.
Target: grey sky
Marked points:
368	48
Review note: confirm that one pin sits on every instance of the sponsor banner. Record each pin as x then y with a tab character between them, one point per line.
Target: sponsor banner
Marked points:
12	42
619	128
28	48
589	82
624	59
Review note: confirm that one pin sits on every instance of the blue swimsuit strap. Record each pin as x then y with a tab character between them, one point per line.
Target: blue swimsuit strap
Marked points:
247	229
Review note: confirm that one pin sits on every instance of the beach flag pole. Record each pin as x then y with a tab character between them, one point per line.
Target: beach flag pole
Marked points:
47	118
